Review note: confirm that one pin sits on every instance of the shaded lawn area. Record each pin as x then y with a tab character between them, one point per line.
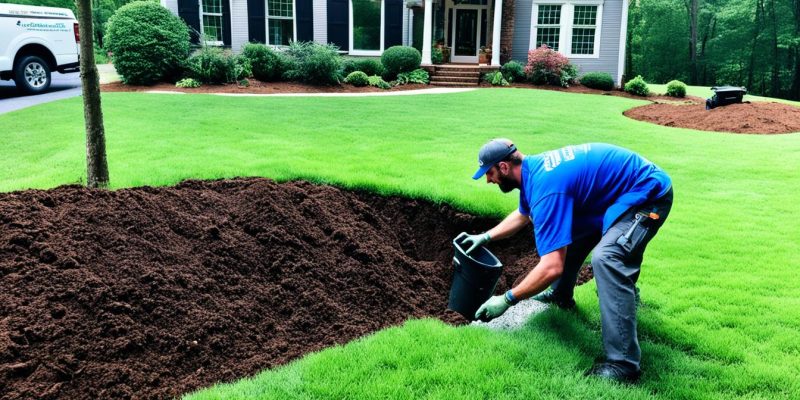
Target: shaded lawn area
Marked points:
720	288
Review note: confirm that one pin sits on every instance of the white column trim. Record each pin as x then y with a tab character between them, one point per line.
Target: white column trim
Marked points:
623	36
498	12
427	33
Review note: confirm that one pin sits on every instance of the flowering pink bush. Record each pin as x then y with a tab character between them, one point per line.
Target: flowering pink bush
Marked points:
546	65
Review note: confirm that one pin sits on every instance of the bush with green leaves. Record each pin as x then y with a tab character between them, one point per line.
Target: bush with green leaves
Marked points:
513	71
187	83
637	86
268	65
437	57
676	88
314	63
370	66
148	41
598	80
547	66
215	66
378	82
495	78
418	75
397	59
357	78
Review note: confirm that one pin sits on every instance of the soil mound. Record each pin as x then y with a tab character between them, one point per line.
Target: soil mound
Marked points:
154	292
755	118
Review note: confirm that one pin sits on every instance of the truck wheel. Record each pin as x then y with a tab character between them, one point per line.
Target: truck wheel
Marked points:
32	75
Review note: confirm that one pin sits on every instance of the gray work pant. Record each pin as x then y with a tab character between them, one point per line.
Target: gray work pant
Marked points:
616	269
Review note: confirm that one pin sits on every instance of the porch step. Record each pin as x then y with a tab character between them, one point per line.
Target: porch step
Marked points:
436	82
456	75
465	79
451	68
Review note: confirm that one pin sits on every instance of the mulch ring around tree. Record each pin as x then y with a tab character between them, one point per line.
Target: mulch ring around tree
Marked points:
747	117
155	292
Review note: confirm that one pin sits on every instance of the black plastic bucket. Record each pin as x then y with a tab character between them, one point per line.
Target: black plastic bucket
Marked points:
474	278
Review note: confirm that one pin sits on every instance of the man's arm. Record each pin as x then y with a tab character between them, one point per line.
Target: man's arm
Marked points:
509	226
549	268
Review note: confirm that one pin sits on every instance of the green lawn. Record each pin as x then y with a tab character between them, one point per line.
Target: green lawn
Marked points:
720	285
706	92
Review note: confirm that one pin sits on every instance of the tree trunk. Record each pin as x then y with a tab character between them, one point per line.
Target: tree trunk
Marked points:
775	82
692	8
757	24
96	164
709	33
794	92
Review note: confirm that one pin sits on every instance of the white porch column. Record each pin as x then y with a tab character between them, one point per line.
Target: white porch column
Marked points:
427	33
498	13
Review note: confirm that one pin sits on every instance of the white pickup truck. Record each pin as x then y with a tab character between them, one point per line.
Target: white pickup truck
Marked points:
34	41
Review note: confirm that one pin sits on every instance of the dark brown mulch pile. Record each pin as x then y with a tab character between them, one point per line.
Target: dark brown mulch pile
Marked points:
258	87
154	292
755	117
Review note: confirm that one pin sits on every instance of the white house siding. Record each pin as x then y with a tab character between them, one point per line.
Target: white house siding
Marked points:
239	24
321	21
405	26
609	38
171	5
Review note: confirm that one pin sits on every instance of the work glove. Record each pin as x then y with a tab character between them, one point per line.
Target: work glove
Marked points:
476	240
492	308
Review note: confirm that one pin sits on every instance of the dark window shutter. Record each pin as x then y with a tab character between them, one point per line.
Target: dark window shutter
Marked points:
393	32
226	22
338	23
256	21
189	11
305	20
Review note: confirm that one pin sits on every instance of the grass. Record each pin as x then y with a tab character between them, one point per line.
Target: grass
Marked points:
720	283
706	92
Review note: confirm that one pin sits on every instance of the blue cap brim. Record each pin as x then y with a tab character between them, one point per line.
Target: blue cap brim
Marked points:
481	171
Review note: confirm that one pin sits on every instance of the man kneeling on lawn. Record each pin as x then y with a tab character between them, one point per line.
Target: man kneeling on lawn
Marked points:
592	197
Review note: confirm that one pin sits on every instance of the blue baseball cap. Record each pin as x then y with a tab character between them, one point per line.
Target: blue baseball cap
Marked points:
492	153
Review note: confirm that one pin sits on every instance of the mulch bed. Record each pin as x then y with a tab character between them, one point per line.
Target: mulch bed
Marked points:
258	87
155	292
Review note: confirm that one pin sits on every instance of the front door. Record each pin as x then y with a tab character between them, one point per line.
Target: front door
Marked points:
466	31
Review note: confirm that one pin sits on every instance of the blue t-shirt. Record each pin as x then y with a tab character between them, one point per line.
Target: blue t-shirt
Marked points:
582	188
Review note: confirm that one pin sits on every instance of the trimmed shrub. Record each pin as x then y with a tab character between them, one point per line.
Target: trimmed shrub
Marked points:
213	65
637	86
546	65
148	41
437	57
513	71
378	82
676	89
598	80
268	65
370	66
397	59
495	78
349	65
418	75
187	83
314	63
357	78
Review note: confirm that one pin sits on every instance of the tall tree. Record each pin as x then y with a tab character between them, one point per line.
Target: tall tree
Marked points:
692	9
758	25
96	163
794	92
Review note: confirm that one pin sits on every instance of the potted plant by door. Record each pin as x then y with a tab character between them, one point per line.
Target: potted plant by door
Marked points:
484	55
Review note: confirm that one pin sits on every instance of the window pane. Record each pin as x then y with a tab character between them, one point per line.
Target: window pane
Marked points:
279	8
281	32
585	15
212	6
212	28
583	41
548	36
367	24
549	15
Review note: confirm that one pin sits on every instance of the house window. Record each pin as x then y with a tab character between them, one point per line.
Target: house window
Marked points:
584	24
280	22
548	26
211	10
366	25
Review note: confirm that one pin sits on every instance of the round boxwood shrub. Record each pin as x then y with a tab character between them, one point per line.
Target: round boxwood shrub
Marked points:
397	59
370	66
267	64
357	78
637	86
513	71
598	80
149	43
676	89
